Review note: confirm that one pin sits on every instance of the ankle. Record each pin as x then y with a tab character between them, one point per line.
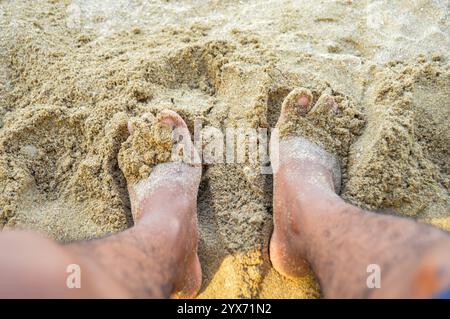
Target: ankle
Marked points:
314	204
169	200
298	191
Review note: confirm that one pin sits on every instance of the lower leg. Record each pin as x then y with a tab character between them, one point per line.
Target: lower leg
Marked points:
158	255
36	267
143	261
155	258
340	241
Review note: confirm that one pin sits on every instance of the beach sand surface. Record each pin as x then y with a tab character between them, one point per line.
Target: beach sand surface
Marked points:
72	73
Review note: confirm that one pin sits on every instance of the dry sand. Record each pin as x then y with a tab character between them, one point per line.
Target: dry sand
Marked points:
73	72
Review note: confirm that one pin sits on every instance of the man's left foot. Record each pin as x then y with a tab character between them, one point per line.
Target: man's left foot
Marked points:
168	197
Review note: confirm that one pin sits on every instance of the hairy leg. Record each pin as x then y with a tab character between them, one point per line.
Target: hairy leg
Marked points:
32	266
156	258
313	225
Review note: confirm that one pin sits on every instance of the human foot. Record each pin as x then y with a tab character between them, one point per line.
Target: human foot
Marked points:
311	139
162	191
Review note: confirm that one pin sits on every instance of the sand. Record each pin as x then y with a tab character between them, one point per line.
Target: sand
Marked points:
150	144
72	73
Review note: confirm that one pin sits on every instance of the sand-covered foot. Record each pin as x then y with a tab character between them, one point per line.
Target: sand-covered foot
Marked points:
330	120
163	175
313	145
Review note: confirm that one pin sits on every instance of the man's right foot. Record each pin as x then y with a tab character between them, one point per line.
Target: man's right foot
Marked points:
306	173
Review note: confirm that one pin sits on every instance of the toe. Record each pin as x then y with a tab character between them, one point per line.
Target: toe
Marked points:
171	118
148	117
298	102
181	136
332	104
326	103
130	127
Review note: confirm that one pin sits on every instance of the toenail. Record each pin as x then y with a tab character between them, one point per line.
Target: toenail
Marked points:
303	101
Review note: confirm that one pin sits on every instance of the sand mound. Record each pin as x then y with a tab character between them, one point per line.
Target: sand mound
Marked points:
150	144
73	72
394	165
48	159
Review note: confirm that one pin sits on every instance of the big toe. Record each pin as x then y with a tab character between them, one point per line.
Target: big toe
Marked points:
184	149
171	118
297	103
